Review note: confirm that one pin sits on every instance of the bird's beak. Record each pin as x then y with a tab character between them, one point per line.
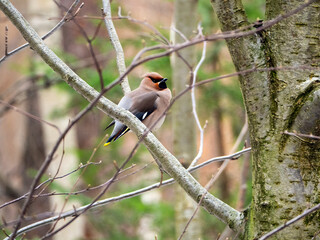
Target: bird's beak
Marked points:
164	79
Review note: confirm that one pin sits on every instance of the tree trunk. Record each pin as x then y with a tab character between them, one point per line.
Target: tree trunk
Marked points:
183	123
285	169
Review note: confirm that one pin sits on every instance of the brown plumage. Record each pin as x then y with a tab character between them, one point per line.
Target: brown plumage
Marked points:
148	103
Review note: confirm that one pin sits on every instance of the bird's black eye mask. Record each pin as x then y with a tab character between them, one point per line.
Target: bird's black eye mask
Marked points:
155	80
162	82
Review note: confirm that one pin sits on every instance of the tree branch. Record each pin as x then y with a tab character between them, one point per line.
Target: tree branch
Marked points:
293	220
213	205
193	100
135	193
301	135
60	23
116	44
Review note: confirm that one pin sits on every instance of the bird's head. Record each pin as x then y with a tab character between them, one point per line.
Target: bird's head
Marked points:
155	81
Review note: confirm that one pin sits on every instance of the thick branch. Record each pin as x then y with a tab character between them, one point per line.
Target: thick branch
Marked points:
213	205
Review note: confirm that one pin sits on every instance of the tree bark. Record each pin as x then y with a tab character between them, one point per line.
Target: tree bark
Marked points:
184	143
285	169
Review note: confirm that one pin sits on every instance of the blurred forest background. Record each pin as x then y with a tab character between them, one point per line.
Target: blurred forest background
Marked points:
32	87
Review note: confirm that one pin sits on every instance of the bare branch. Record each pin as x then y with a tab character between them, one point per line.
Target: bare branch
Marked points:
55	28
224	35
46	163
89	40
300	135
6	41
233	156
179	33
242	133
30	115
216	176
135	193
162	38
91	50
193	100
288	223
116	44
76	214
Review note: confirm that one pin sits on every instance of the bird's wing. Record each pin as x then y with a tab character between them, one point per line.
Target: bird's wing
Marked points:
125	103
111	124
143	105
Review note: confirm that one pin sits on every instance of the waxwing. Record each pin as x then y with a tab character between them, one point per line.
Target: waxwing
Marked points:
148	103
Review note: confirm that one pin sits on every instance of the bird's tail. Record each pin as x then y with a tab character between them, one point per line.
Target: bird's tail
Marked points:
114	137
110	139
111	124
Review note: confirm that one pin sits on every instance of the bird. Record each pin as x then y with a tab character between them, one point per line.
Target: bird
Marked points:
148	103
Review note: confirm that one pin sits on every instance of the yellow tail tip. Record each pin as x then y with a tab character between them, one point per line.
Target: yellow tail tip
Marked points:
106	144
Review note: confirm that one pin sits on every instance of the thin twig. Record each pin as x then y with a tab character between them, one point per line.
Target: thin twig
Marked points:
6	41
233	156
194	104
215	177
19	90
30	115
254	69
104	202
315	235
89	41
225	35
76	214
47	162
288	223
311	136
55	28
162	38
46	181
179	33
91	50
242	134
78	179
